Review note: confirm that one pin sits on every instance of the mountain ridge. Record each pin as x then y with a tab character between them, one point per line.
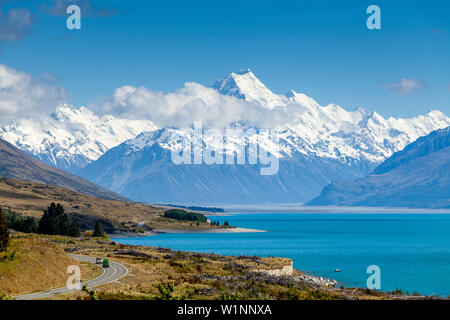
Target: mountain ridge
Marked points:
316	144
417	176
16	164
72	138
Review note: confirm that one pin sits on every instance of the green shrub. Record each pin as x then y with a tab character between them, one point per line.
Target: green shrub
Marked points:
183	215
397	291
234	296
166	291
21	224
92	293
5	297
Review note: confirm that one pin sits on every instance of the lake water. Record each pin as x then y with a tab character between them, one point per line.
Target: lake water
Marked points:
412	250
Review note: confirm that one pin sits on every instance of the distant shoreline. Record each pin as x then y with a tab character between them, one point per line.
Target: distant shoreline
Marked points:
299	208
221	230
162	231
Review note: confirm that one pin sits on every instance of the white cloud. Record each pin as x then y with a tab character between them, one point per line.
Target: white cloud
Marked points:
405	86
191	103
15	24
23	96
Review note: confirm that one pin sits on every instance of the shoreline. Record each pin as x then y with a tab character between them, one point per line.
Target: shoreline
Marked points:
300	209
162	231
224	230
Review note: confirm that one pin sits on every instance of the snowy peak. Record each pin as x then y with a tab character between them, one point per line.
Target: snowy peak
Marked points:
71	137
300	98
74	137
245	85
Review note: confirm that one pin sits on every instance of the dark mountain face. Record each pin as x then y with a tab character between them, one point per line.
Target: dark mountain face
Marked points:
149	175
15	163
417	176
434	142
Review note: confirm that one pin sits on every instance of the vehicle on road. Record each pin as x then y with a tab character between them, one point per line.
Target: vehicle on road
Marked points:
105	263
99	261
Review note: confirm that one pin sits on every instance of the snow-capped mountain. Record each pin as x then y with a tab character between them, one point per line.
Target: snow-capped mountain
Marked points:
70	138
317	145
142	169
331	131
245	85
417	176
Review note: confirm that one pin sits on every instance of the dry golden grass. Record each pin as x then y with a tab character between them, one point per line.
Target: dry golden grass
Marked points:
41	264
37	265
30	199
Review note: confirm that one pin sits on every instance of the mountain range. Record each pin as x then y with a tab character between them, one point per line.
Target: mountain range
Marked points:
318	145
417	176
71	138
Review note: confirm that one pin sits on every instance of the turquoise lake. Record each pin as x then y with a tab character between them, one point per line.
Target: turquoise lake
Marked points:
412	250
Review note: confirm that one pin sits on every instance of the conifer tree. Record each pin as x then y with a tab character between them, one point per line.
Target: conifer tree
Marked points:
98	231
4	232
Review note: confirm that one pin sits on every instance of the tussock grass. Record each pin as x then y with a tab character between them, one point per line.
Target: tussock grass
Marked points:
37	265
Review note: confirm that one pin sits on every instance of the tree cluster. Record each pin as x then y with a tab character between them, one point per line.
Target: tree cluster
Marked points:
56	222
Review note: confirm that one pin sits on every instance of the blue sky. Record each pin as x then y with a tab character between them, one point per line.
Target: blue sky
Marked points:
320	48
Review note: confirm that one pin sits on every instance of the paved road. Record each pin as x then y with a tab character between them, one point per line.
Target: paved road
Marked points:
111	274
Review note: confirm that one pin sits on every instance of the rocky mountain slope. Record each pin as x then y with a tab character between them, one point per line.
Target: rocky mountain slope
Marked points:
17	164
417	176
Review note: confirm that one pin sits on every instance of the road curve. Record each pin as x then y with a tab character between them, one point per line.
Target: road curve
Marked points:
111	274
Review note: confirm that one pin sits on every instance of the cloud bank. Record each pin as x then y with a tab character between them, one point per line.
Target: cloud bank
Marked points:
191	103
405	86
23	96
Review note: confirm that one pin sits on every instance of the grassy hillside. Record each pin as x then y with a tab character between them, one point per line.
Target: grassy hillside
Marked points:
37	264
30	199
42	263
17	164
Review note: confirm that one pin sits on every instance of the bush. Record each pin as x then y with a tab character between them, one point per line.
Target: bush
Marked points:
183	215
6	297
92	293
6	256
22	224
166	292
397	291
88	233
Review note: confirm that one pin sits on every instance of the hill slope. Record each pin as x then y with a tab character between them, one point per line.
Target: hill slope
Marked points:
417	176
17	164
30	199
